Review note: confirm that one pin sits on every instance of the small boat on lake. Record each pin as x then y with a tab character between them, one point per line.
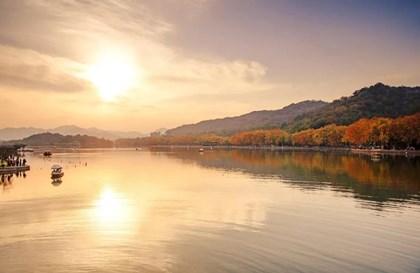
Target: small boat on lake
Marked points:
47	154
57	171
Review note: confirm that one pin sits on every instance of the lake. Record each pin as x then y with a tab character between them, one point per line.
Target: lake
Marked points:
218	211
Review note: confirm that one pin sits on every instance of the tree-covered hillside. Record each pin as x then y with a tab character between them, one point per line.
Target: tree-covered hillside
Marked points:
249	121
378	100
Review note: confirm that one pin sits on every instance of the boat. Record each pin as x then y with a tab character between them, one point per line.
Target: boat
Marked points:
47	153
57	171
201	150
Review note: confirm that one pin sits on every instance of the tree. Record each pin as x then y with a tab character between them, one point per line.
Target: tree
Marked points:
261	137
304	138
379	134
358	133
9	150
405	131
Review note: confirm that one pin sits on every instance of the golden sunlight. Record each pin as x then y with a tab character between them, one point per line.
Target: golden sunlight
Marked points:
111	210
113	74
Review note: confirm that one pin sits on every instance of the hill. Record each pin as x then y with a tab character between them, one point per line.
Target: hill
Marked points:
78	141
253	120
92	131
378	100
23	132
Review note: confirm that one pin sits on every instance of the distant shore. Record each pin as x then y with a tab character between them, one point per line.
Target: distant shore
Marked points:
385	151
293	148
56	149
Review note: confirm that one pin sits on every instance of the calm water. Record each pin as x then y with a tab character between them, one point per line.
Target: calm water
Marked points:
220	211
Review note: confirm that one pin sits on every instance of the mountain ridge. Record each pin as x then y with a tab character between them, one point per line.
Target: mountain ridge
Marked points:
248	121
13	133
70	141
376	100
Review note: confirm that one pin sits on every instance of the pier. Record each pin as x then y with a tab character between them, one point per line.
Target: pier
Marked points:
14	169
12	160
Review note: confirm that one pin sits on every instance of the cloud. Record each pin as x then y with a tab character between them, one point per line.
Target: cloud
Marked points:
128	17
47	46
58	32
192	76
29	70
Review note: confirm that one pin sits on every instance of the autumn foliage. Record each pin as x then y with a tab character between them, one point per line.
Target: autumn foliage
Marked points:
389	133
397	133
208	139
330	135
275	137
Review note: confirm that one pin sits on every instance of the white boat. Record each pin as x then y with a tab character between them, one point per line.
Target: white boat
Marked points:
57	171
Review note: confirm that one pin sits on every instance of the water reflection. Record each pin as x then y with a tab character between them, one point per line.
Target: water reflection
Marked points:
6	180
218	211
111	211
56	182
309	219
376	184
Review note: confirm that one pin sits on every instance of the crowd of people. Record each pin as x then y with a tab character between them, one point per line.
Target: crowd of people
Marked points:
13	161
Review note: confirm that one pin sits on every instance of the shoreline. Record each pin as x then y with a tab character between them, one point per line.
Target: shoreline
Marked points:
293	148
39	149
385	152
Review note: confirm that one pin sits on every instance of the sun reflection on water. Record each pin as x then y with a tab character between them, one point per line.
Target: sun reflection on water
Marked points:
112	212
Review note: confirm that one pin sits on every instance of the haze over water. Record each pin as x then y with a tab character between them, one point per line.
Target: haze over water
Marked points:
217	211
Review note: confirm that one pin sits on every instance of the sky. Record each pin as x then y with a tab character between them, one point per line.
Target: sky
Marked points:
149	64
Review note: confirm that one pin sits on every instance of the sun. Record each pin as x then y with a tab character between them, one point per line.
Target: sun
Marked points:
113	74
